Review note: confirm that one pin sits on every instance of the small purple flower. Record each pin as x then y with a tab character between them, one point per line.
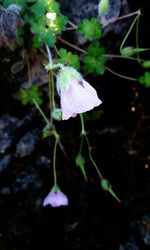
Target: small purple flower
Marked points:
56	198
77	95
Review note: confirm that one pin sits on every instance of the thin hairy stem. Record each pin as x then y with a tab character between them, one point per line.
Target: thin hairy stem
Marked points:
49	55
91	158
81	144
120	75
84	134
129	31
54	161
41	112
71	45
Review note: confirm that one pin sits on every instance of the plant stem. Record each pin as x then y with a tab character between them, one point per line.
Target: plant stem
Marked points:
50	95
51	84
114	195
122	76
49	55
138	12
137	40
132	25
91	158
71	45
84	134
54	161
121	57
81	144
41	112
73	25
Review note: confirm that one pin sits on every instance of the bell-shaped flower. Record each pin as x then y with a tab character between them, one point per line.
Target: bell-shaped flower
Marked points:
77	95
56	198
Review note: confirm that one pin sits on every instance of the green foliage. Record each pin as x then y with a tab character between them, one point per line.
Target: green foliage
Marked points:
6	3
42	36
61	23
145	79
44	28
68	58
103	7
80	162
94	61
91	29
28	96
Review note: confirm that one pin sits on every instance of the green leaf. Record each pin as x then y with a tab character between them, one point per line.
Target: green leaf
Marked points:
26	96
68	58
145	79
6	3
80	162
91	29
31	1
38	9
94	61
103	7
45	37
53	6
60	22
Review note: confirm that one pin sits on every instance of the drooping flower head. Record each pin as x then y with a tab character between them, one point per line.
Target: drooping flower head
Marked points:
56	198
77	95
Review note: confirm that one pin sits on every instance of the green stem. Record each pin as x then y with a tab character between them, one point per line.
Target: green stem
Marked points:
50	95
71	45
91	158
120	75
137	40
81	144
131	27
120	57
51	83
137	12
84	134
72	24
114	195
41	112
49	55
54	162
53	90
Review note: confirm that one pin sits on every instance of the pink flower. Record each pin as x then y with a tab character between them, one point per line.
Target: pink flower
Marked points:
56	198
77	95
